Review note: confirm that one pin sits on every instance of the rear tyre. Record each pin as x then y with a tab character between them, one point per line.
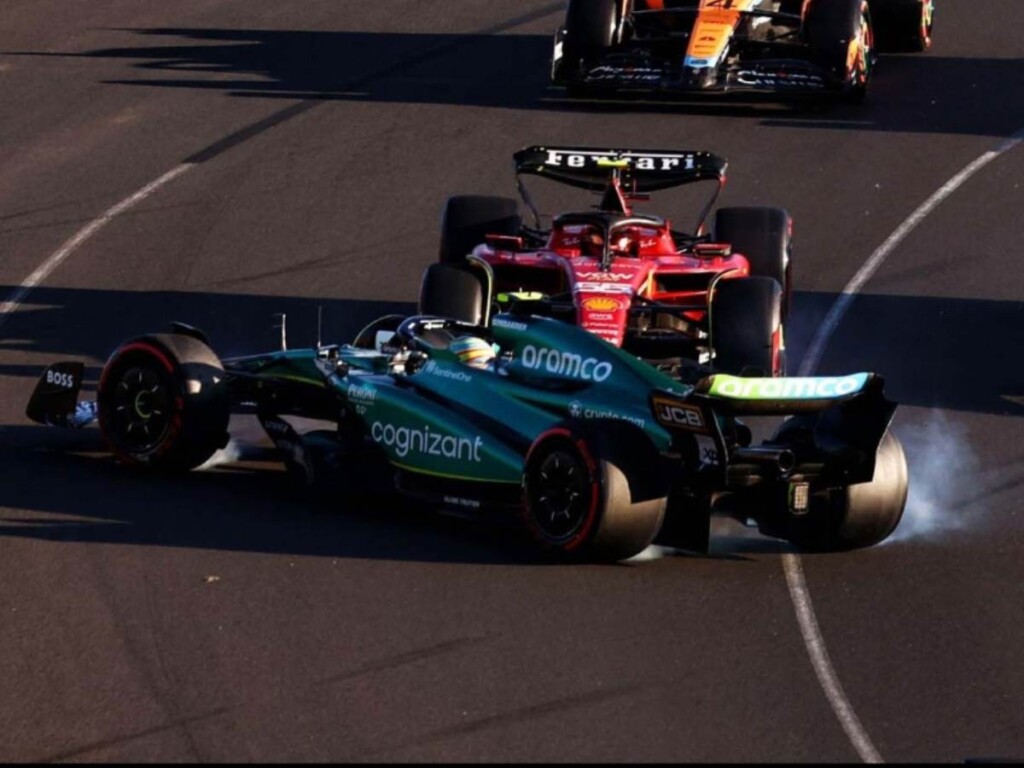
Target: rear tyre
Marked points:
454	292
764	237
903	26
592	491
164	402
591	30
746	326
858	515
468	219
842	41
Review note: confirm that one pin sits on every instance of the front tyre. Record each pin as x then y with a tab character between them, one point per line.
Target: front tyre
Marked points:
842	42
903	26
164	402
859	515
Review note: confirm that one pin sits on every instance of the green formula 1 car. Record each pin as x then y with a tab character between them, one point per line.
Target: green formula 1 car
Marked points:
596	452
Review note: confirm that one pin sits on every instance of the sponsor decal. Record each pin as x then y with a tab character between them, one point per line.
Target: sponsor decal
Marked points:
796	388
432	368
658	162
579	411
602	304
766	79
361	394
672	413
708	449
59	379
625	75
587	287
600	316
563	363
512	325
613	276
456	501
406	440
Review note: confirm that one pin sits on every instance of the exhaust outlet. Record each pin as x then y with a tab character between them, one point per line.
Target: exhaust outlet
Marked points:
780	459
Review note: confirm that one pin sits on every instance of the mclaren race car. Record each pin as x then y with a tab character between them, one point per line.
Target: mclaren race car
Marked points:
823	47
683	301
529	419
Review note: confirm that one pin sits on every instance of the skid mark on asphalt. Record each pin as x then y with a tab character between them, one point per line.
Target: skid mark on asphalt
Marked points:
405	659
791	564
184	723
522	715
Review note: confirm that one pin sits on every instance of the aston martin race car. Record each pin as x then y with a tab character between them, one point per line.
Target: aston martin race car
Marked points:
528	419
713	297
815	47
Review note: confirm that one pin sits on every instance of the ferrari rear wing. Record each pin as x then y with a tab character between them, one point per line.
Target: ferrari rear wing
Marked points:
640	170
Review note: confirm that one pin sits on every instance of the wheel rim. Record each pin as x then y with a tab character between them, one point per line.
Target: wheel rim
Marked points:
559	494
141	409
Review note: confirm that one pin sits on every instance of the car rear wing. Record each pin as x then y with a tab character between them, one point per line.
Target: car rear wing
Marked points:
641	170
840	421
621	174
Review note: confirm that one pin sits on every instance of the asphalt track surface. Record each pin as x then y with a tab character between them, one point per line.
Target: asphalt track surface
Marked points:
218	618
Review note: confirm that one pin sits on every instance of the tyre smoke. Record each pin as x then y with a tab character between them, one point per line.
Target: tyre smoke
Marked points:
943	469
228	454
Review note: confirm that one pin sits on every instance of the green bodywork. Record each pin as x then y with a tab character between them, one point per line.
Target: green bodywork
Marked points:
433	415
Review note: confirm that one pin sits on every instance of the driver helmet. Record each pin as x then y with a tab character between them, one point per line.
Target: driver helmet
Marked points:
624	241
473	351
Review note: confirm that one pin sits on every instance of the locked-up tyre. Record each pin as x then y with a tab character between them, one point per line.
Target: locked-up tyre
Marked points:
858	515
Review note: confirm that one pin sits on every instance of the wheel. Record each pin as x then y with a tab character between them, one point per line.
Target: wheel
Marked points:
765	237
746	326
591	30
468	219
592	491
842	41
454	292
903	25
858	515
164	402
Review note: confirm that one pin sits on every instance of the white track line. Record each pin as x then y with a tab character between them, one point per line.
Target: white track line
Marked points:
45	269
791	564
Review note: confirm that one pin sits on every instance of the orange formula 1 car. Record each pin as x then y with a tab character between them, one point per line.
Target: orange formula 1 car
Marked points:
790	47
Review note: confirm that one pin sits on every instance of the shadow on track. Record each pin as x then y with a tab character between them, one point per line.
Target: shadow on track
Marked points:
920	93
933	352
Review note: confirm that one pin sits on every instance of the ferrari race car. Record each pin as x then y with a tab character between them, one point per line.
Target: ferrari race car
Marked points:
824	47
526	419
682	301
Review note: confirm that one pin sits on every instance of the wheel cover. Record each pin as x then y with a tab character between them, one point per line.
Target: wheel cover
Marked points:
559	494
141	409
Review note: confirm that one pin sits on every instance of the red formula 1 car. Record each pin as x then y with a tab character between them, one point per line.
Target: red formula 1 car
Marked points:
684	302
787	47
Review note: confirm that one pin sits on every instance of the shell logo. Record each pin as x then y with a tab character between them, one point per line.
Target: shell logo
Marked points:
601	304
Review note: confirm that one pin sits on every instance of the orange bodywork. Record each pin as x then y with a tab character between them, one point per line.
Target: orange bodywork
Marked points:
715	24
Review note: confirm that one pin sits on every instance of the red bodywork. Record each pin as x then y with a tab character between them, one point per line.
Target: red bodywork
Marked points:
655	271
